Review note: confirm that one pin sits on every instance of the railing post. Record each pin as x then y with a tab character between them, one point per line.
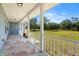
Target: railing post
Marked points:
41	27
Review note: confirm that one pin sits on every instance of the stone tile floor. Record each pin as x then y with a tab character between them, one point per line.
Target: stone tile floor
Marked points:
17	45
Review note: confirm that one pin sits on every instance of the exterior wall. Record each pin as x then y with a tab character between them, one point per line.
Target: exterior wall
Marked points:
14	28
4	26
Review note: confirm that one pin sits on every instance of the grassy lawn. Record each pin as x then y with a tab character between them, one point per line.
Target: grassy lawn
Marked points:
49	44
73	35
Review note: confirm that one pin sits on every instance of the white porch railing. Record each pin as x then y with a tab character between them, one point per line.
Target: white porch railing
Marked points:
57	46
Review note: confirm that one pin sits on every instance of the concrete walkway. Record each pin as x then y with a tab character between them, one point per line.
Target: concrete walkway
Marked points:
17	45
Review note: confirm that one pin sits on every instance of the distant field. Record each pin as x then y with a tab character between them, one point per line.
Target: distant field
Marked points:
71	35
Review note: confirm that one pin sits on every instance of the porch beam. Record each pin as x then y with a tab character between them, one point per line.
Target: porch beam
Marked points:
41	26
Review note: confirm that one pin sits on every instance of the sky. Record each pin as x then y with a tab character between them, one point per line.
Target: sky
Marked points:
61	12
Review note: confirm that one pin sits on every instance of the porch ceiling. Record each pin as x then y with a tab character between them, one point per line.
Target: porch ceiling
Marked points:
15	13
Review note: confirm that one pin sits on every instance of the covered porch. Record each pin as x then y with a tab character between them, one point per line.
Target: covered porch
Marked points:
15	17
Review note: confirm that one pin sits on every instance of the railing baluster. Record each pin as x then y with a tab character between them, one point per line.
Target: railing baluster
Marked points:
61	47
58	47
54	45
46	45
75	48
67	48
49	45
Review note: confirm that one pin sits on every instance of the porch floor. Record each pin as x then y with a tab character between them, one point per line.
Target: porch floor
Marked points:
17	45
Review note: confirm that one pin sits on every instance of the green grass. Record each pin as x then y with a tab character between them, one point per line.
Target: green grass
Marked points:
72	35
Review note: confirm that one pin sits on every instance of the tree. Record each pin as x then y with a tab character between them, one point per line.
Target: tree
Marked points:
77	25
74	19
38	26
33	23
52	25
66	24
55	26
46	22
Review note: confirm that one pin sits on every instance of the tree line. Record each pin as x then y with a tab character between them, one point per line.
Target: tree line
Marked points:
67	24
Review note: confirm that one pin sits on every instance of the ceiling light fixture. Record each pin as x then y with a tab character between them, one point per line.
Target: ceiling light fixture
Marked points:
20	4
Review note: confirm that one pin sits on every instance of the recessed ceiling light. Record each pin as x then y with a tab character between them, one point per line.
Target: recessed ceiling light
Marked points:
20	4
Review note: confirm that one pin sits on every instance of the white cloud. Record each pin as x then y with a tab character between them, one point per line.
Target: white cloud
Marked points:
56	17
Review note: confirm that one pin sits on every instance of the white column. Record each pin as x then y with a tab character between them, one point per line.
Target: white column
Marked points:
41	27
28	27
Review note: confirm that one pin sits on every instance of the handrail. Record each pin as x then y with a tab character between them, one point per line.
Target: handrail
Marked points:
76	41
